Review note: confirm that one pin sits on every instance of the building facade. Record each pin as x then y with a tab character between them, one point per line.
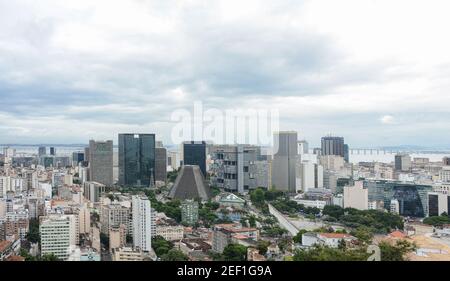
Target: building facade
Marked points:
137	159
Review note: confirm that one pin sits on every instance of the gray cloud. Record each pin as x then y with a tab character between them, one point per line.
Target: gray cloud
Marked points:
100	64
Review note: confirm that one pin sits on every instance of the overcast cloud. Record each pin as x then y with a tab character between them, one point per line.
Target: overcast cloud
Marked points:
374	71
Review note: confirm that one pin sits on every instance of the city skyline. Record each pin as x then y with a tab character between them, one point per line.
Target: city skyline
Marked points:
103	68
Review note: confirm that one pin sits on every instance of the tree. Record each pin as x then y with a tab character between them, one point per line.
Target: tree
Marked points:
437	220
257	197
174	255
215	191
33	234
262	246
25	254
298	238
252	221
333	211
364	234
396	252
324	253
235	252
49	257
161	246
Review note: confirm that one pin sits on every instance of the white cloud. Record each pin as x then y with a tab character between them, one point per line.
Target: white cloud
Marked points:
387	119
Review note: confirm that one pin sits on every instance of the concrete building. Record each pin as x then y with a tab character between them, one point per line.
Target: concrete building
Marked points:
233	167
356	196
403	162
117	237
284	161
127	254
303	147
444	174
309	176
446	161
57	235
113	215
189	212
332	240
223	234
170	232
190	184
161	164
395	207
101	162
142	236
438	203
93	190
332	162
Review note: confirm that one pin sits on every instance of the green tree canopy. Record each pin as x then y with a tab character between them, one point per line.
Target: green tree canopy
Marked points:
235	252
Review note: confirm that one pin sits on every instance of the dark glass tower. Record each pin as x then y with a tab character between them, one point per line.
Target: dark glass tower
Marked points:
194	153
137	159
333	146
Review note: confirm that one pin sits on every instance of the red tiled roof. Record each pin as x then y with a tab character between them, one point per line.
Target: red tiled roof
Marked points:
4	245
397	234
15	258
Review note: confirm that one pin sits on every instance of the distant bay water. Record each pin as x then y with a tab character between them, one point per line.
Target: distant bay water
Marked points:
355	157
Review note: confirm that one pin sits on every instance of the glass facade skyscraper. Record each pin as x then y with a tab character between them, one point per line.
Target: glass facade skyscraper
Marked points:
137	159
194	153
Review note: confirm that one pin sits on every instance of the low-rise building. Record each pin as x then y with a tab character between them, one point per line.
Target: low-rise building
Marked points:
327	239
223	235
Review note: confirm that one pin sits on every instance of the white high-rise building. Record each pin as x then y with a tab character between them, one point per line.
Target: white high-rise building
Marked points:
5	185
142	223
57	235
310	176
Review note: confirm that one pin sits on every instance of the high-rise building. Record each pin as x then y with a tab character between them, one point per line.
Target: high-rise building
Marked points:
101	162
333	146
346	153
161	164
303	147
42	151
57	235
310	176
446	161
113	215
402	162
284	161
189	212
137	159
233	167
142	228
92	191
52	151
194	153
77	158
356	196
438	203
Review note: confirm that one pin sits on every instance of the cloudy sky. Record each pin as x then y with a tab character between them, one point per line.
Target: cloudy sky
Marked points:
374	71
